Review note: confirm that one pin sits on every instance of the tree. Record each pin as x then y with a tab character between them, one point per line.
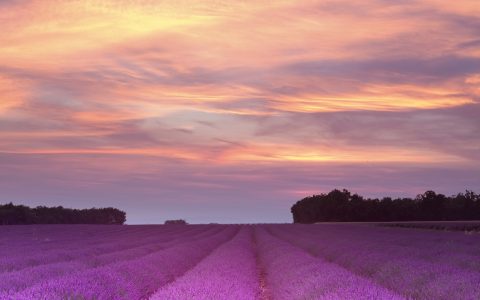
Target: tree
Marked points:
343	206
431	206
176	222
11	214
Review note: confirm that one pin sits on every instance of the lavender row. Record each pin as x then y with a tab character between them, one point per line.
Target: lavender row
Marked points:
28	235
16	281
432	246
41	237
414	271
17	259
134	279
230	272
67	237
291	274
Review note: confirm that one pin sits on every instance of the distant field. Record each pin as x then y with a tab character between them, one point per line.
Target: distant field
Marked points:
467	226
320	261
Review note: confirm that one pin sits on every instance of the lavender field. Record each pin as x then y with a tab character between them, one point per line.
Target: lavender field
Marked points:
321	261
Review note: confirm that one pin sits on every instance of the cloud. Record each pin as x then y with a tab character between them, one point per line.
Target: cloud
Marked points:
451	131
471	43
235	101
396	70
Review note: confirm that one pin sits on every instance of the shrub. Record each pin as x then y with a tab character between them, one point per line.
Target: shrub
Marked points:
176	222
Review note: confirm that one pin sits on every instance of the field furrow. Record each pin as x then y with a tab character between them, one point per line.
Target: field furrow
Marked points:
15	282
415	271
12	282
247	262
295	274
132	279
229	272
80	248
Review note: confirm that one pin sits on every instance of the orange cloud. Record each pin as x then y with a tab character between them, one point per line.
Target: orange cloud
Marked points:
88	76
346	154
12	94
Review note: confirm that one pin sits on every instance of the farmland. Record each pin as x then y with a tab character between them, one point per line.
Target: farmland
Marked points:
466	226
320	261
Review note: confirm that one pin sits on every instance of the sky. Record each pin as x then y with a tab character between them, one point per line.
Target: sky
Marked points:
231	111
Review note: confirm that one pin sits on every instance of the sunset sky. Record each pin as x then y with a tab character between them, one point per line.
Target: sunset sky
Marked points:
231	111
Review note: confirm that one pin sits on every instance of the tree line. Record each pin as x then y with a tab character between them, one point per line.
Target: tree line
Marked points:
343	206
11	214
